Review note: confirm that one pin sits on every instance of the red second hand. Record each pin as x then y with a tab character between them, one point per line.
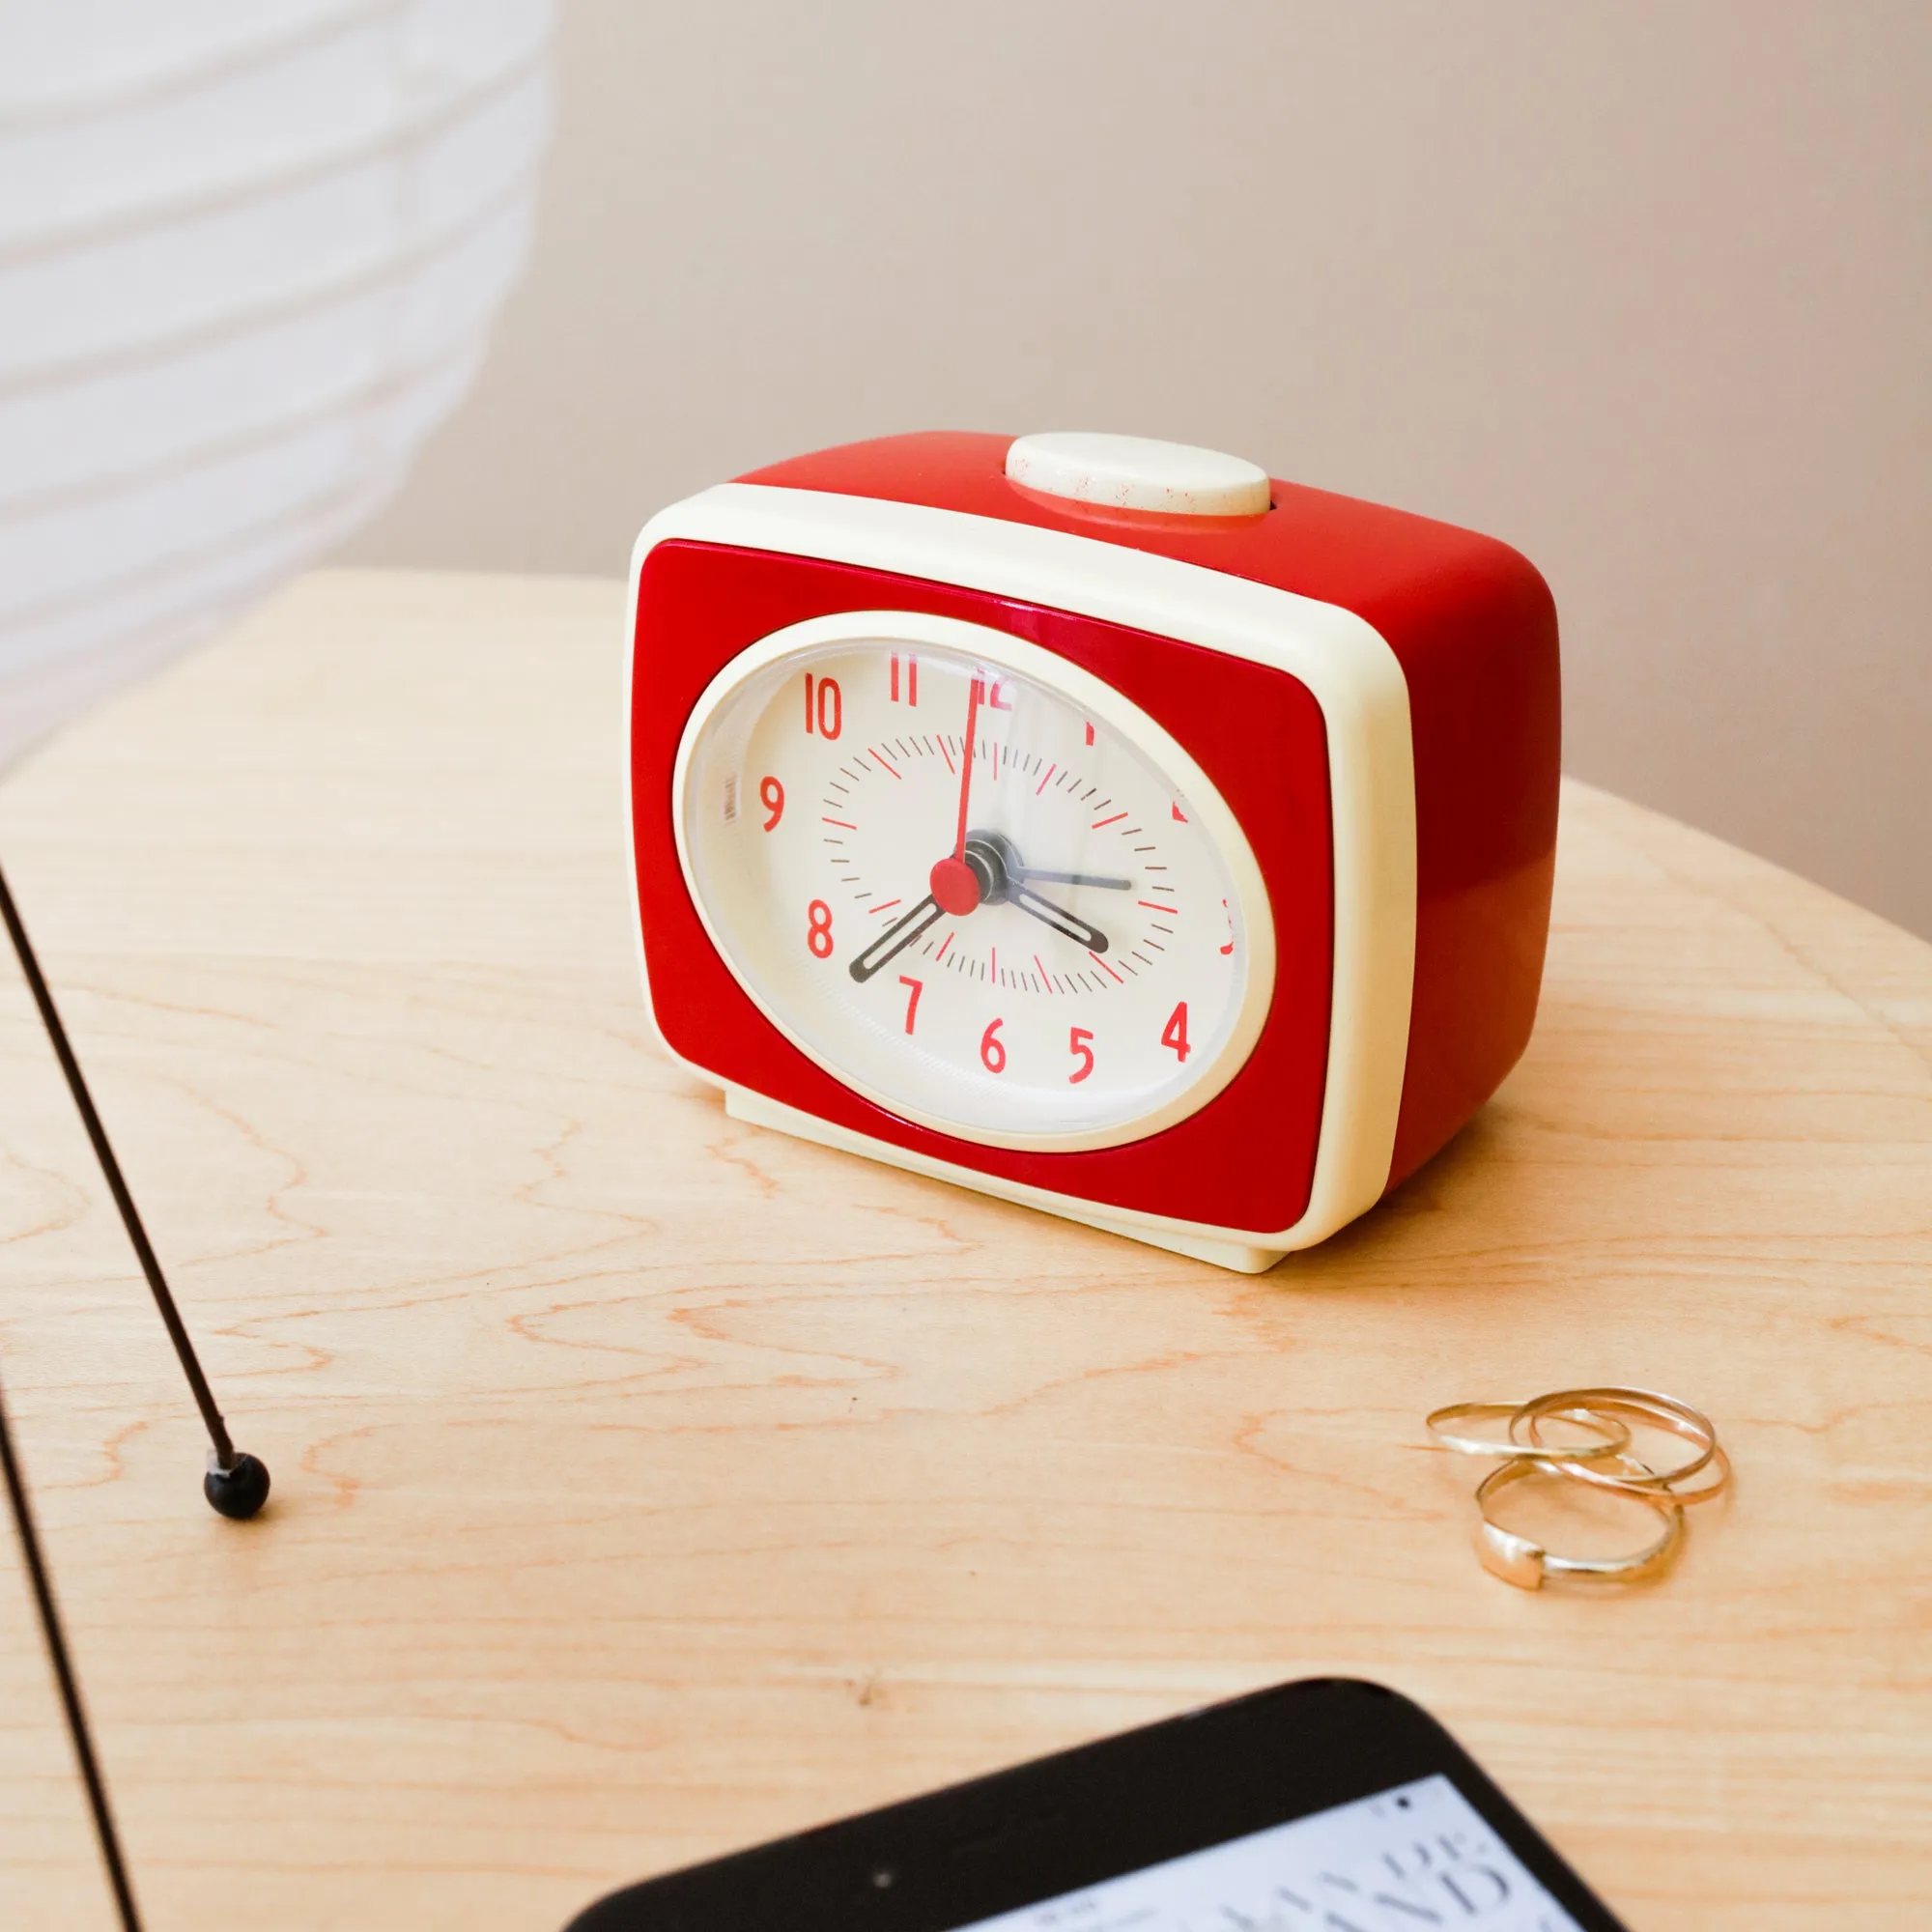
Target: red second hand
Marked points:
966	769
953	882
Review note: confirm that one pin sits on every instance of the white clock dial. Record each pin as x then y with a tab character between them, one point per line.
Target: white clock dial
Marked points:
971	881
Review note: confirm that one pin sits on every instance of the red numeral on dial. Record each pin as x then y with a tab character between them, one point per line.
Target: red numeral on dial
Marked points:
912	998
823	703
1176	1034
774	796
818	929
911	679
1076	1044
992	1049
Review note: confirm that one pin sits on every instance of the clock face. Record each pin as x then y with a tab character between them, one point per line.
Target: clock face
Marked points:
971	881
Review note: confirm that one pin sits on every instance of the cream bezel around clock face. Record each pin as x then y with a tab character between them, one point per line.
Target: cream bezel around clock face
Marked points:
1099	701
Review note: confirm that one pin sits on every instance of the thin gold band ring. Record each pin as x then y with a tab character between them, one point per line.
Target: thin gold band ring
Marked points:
1645	1405
1615	1436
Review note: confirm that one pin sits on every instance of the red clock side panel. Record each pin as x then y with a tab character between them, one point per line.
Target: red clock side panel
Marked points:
1246	1161
1479	652
1473	627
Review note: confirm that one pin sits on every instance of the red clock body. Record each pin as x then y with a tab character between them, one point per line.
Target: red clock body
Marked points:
1392	762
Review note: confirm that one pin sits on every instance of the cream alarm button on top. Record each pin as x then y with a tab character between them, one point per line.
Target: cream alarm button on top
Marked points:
1138	472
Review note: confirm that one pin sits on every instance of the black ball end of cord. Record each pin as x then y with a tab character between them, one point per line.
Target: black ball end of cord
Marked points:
240	1491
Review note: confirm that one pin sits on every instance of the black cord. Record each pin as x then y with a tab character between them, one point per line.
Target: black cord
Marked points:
104	1153
70	1689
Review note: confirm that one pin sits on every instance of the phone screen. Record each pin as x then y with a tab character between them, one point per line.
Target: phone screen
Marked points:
1415	1857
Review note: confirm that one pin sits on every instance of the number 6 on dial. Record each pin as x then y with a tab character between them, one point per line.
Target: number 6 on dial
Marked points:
992	1050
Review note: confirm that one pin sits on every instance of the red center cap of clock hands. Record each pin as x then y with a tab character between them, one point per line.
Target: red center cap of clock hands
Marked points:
953	887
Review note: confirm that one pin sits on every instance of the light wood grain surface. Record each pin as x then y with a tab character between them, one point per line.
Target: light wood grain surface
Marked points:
647	1483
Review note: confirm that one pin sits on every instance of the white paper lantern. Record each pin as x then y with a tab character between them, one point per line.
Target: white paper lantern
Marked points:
248	256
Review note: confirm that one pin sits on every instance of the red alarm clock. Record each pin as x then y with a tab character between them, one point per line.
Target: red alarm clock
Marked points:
1094	822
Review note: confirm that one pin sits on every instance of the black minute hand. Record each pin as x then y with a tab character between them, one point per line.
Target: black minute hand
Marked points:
895	938
1025	873
1059	918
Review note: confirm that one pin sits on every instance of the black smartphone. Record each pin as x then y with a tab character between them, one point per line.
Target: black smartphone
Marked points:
1329	1805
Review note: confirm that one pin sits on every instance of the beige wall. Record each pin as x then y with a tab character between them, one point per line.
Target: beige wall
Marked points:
1643	288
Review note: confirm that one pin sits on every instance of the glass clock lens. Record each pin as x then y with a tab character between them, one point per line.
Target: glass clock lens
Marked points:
967	896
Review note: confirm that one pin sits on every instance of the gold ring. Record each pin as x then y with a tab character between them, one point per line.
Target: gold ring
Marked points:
1526	1563
1663	1410
1615	1436
1717	1470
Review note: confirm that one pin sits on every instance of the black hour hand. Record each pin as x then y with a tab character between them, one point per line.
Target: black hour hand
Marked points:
1070	925
895	938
